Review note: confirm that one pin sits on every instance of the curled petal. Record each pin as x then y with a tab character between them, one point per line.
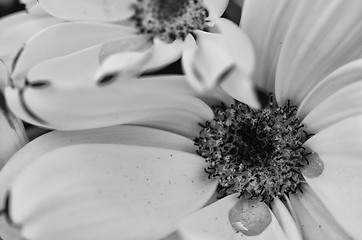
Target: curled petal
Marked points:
17	28
74	37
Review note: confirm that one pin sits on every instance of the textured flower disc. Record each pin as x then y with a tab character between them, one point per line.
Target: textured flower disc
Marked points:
256	153
169	19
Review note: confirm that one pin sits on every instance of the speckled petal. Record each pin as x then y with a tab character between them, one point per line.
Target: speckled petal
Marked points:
89	10
212	222
315	220
323	36
339	185
94	191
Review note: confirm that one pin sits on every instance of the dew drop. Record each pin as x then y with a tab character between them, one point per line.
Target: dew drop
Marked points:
251	217
315	166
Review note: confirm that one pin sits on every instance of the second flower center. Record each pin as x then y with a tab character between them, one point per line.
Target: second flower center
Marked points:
169	19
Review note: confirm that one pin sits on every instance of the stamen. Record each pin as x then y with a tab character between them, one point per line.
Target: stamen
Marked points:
256	153
169	20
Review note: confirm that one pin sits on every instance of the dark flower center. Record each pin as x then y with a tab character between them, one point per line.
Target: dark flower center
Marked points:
256	153
169	20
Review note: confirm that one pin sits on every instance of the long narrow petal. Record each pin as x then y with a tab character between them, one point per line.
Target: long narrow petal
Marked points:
266	23
17	28
323	36
64	39
50	105
339	184
101	191
212	222
286	221
89	10
315	220
343	76
129	135
344	103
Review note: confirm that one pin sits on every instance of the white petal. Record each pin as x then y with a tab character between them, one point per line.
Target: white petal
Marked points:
315	220
74	37
13	135
89	10
212	222
217	58
133	55
286	221
266	23
317	43
339	185
95	192
17	28
215	8
130	135
61	107
343	76
344	103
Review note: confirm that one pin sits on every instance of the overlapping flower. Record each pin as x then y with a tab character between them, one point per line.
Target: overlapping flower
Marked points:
105	183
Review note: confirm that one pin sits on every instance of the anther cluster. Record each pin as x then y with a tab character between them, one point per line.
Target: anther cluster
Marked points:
256	153
169	20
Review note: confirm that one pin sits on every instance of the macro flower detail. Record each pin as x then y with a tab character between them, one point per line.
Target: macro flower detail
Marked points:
307	56
169	20
255	153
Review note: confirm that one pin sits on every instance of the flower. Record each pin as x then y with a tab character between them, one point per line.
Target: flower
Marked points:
307	56
126	37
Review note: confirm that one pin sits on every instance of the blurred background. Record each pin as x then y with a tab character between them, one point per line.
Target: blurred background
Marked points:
9	6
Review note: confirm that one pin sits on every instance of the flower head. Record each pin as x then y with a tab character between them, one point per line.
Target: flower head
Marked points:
290	169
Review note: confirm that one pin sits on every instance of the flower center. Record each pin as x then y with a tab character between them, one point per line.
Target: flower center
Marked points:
169	19
256	153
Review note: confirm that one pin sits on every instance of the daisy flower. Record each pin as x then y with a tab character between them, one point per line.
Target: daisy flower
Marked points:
126	37
287	170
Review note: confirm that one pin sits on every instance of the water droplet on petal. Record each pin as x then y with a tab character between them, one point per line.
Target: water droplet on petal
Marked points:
251	217
315	166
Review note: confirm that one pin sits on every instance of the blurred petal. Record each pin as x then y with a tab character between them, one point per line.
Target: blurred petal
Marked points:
339	185
226	56
343	76
286	221
89	10
266	23
133	55
17	28
129	135
48	44
212	222
315	220
215	8
344	103
318	42
50	105
100	193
